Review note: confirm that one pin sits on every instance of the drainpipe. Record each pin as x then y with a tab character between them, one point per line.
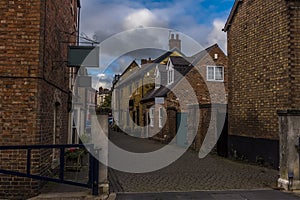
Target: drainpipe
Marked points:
78	20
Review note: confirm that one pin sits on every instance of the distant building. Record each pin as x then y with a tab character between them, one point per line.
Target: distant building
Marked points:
140	87
101	95
133	85
34	86
171	80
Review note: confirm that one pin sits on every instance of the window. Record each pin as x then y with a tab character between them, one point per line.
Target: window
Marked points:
137	87
215	73
160	115
170	75
151	117
157	78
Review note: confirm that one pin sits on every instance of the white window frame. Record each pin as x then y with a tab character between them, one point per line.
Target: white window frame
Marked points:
157	78
214	73
160	117
170	73
151	116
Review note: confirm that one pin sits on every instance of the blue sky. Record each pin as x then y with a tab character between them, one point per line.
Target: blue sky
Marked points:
202	20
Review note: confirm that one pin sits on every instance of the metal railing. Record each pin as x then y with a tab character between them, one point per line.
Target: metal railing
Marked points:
93	178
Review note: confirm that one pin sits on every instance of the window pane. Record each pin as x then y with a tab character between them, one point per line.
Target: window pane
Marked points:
160	117
210	73
151	117
219	73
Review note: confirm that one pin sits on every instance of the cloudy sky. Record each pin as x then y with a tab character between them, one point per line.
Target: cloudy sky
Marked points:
202	20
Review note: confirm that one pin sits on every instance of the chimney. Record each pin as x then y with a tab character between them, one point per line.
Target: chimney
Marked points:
174	43
143	61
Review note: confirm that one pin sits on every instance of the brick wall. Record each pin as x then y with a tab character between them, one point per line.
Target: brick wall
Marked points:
206	92
294	12
33	77
263	52
259	81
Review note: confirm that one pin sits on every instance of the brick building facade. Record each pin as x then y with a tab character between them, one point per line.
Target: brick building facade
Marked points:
179	98
34	85
263	53
138	90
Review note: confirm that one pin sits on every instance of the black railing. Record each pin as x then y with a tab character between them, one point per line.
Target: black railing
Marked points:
93	180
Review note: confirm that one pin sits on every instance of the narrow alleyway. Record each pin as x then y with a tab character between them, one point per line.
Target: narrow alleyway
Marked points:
189	173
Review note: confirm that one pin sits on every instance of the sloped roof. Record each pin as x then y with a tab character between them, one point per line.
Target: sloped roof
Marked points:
177	60
128	67
167	54
137	74
182	67
199	56
147	67
232	14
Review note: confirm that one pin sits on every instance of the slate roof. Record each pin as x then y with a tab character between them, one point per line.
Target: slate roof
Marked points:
182	66
178	60
146	67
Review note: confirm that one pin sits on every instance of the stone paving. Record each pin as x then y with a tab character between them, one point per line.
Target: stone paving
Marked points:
210	195
188	173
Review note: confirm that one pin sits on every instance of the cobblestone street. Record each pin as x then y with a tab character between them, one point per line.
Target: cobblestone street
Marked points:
188	173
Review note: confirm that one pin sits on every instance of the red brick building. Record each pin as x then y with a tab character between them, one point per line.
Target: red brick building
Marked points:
204	89
263	53
34	85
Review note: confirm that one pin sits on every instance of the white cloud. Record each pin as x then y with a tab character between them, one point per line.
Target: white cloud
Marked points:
101	75
217	35
107	18
142	18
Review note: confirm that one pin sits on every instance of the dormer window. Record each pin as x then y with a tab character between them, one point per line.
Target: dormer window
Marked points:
170	72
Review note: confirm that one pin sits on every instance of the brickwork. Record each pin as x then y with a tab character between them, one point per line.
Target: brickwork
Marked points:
263	53
206	92
294	11
33	81
258	51
196	94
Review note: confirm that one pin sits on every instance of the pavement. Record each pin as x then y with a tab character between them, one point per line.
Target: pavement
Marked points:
210	195
189	173
189	177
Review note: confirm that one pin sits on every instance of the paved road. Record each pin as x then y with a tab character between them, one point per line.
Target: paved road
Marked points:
217	195
188	173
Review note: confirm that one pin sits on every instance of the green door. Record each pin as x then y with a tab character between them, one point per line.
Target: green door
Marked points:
182	129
